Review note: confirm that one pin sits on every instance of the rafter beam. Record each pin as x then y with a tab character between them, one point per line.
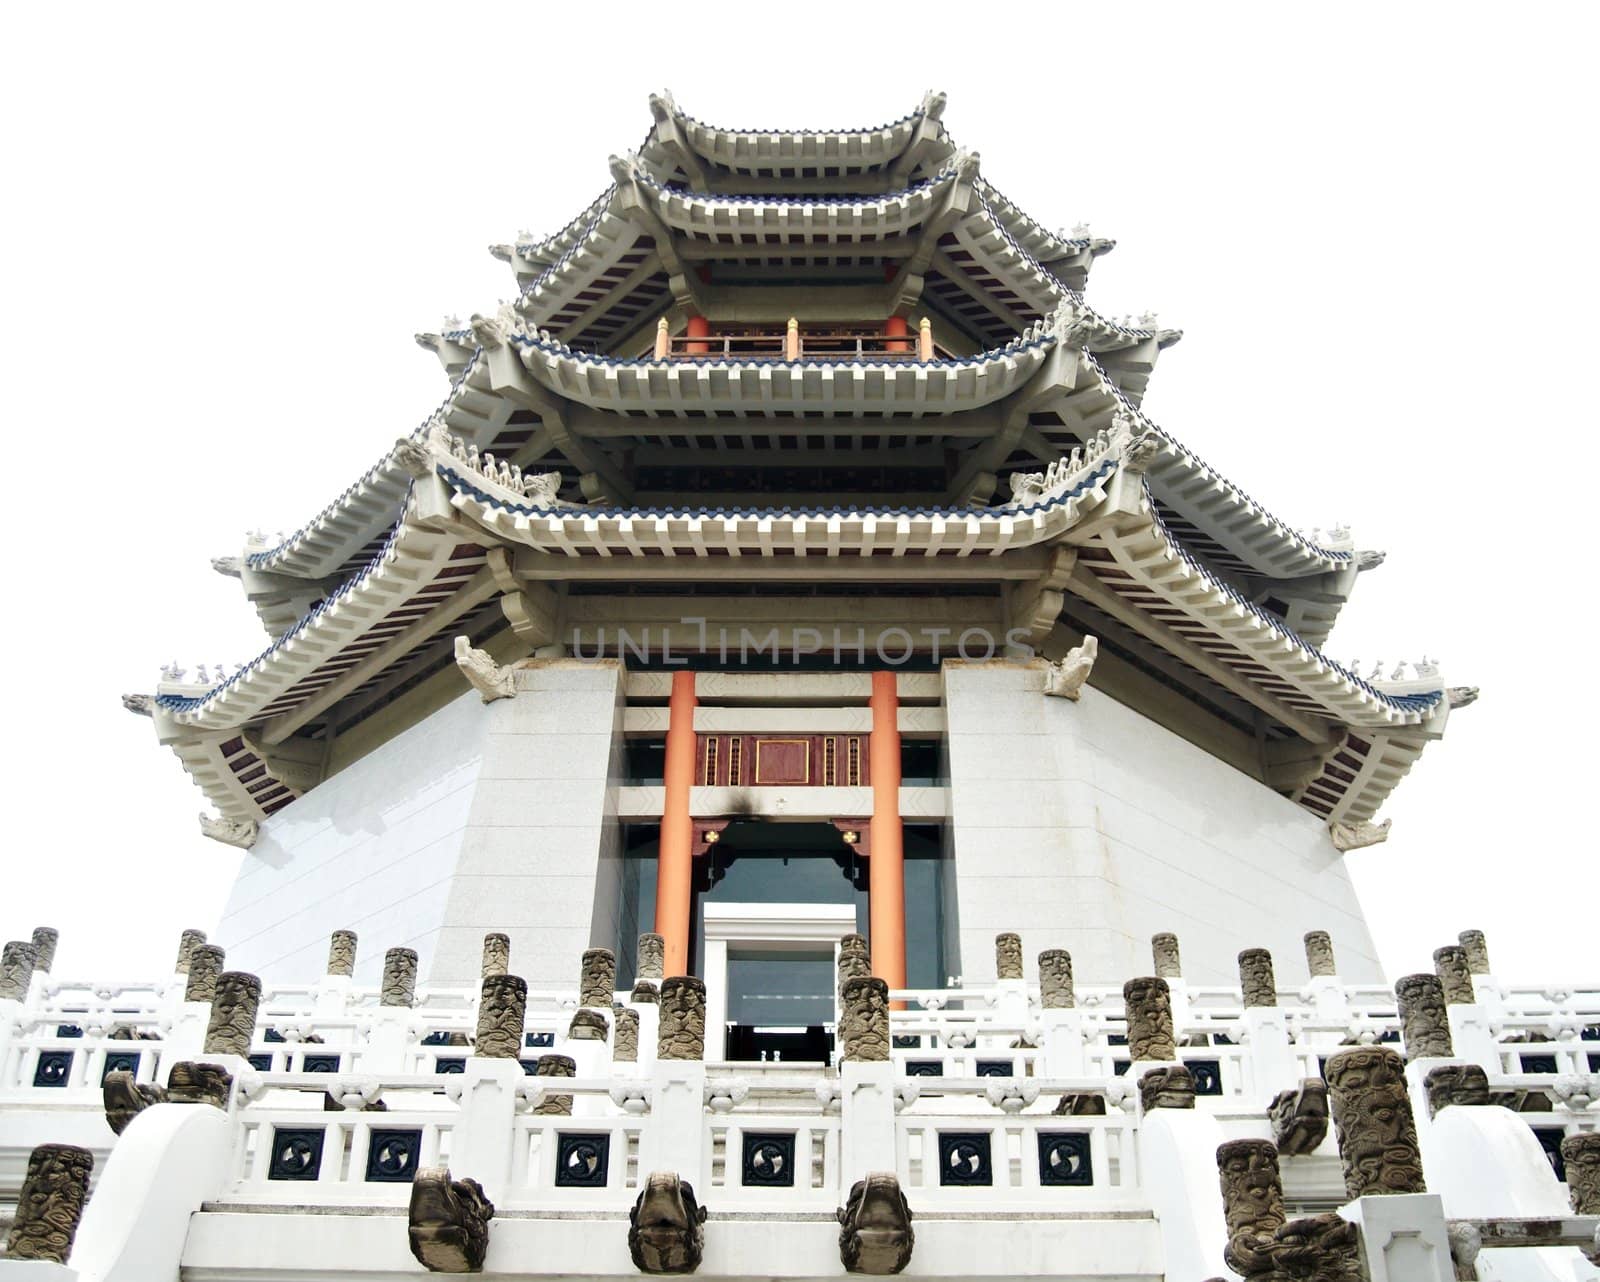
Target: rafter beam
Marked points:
1084	584
476	590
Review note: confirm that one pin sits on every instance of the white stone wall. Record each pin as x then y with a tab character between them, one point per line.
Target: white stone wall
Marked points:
478	818
1087	827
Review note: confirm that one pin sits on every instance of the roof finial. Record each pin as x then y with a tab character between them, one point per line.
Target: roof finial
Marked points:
933	104
662	106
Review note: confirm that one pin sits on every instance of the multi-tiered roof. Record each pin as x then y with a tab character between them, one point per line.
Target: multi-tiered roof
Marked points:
809	359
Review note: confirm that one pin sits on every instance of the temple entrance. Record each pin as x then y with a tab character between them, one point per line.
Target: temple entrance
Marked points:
780	1003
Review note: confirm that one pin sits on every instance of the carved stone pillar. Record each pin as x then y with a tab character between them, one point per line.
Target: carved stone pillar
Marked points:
16	970
598	981
232	1026
1581	1153
1477	948
651	957
1169	1087
1055	980
1372	1121
1423	1022
625	1044
555	1066
1319	954
588	1025
187	943
1455	975
683	1019
45	939
644	993
399	977
124	1099
205	964
51	1203
1262	1247
1008	956
1252	1203
854	960
1164	953
342	953
1256	979
502	1012
1465	1084
864	1019
496	955
1149	1005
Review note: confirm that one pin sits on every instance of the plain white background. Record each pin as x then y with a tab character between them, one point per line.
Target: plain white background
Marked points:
1375	224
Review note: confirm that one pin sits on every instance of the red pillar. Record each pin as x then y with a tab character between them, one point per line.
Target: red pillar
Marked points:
698	327
893	328
675	860
886	877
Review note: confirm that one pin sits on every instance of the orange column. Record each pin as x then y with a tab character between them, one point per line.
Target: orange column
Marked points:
698	327
895	327
675	862
886	876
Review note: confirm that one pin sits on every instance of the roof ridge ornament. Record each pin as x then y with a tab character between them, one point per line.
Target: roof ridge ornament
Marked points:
142	704
663	106
964	164
491	680
1065	680
230	832
933	104
1356	836
496	331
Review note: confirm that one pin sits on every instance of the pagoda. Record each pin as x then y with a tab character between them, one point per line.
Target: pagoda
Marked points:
789	773
797	483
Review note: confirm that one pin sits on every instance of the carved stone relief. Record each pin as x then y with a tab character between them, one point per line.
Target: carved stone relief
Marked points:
666	1227
1465	1084
625	1044
1477	947
1455	975
1299	1118
652	956
399	977
1256	979
496	955
51	1202
1372	1120
1581	1153
193	1083
555	1066
16	970
598	981
1319	954
502	1011
205	964
588	1025
187	943
854	961
125	1098
342	953
448	1222
45	939
1149	1007
1164	953
1423	1021
875	1234
683	1018
1008	956
864	1019
1055	980
1168	1087
233	1014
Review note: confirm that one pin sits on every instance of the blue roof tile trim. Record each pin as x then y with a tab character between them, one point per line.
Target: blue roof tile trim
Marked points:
1129	407
186	703
1402	702
1088	481
262	560
720	198
802	133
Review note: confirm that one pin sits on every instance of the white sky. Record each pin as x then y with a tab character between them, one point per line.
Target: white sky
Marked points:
1374	222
